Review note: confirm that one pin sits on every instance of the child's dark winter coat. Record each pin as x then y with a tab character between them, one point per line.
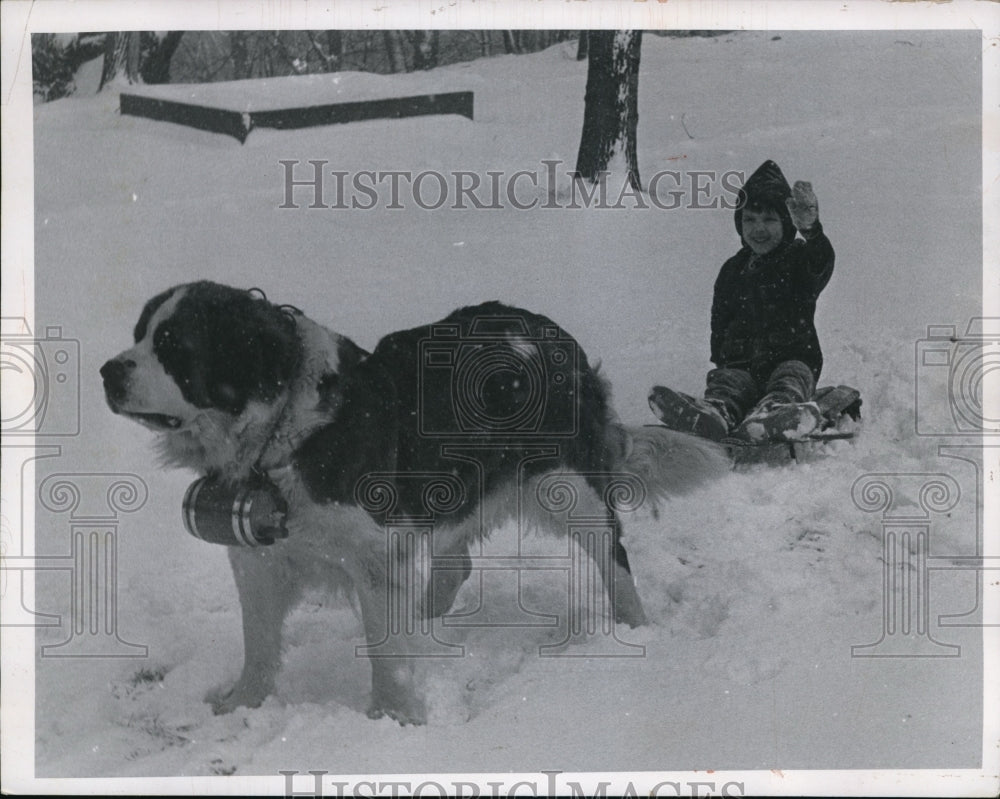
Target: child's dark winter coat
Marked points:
763	306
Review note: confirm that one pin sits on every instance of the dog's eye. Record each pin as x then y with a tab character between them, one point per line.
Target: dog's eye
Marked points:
167	340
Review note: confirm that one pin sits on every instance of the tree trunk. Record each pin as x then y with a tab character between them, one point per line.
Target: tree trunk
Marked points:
132	51
334	51
239	53
394	50
364	53
582	49
156	59
121	57
510	43
435	54
425	48
611	109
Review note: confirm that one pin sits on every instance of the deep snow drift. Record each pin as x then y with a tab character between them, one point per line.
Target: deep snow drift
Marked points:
757	586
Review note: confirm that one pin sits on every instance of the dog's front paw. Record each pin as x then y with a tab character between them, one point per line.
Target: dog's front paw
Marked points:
225	700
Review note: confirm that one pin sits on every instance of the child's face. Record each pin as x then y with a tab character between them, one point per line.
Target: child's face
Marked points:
762	230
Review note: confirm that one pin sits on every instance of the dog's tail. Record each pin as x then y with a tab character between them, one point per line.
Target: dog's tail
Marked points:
671	463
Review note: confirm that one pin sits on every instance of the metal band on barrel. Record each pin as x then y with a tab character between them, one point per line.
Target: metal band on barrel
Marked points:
242	528
189	514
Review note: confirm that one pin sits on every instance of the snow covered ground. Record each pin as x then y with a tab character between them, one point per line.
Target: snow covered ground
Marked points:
757	586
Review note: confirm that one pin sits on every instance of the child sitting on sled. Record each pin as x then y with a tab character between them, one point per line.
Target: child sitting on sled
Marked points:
764	343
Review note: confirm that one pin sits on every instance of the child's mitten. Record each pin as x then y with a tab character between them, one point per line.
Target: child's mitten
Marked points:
802	205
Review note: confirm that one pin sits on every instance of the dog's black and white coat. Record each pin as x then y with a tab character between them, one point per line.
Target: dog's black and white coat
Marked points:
458	425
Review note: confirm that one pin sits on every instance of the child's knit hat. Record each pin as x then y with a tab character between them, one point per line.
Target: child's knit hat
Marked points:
766	188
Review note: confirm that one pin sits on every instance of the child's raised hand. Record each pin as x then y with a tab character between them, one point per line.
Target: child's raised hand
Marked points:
802	205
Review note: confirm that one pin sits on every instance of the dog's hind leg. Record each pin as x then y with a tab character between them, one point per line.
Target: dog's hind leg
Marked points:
579	505
266	594
612	562
609	554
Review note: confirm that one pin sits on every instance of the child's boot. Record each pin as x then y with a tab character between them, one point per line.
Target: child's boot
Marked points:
700	417
775	420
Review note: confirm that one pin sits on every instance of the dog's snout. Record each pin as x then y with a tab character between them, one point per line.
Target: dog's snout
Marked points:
115	373
116	369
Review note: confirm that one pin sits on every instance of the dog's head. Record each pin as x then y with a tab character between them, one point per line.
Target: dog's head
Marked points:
202	348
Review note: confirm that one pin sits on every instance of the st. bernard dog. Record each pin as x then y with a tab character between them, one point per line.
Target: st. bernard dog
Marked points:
449	429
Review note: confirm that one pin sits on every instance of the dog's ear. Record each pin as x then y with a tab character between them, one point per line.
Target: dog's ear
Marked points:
331	385
226	347
256	353
151	307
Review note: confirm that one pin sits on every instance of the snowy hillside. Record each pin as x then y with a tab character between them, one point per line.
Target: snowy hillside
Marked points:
757	586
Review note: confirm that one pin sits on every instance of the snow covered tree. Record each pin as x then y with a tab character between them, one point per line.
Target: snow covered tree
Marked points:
611	109
139	57
121	58
55	59
332	54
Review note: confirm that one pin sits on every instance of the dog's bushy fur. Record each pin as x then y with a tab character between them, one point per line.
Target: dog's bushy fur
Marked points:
360	444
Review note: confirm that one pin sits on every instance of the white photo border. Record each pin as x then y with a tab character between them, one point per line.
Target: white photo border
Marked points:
20	18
